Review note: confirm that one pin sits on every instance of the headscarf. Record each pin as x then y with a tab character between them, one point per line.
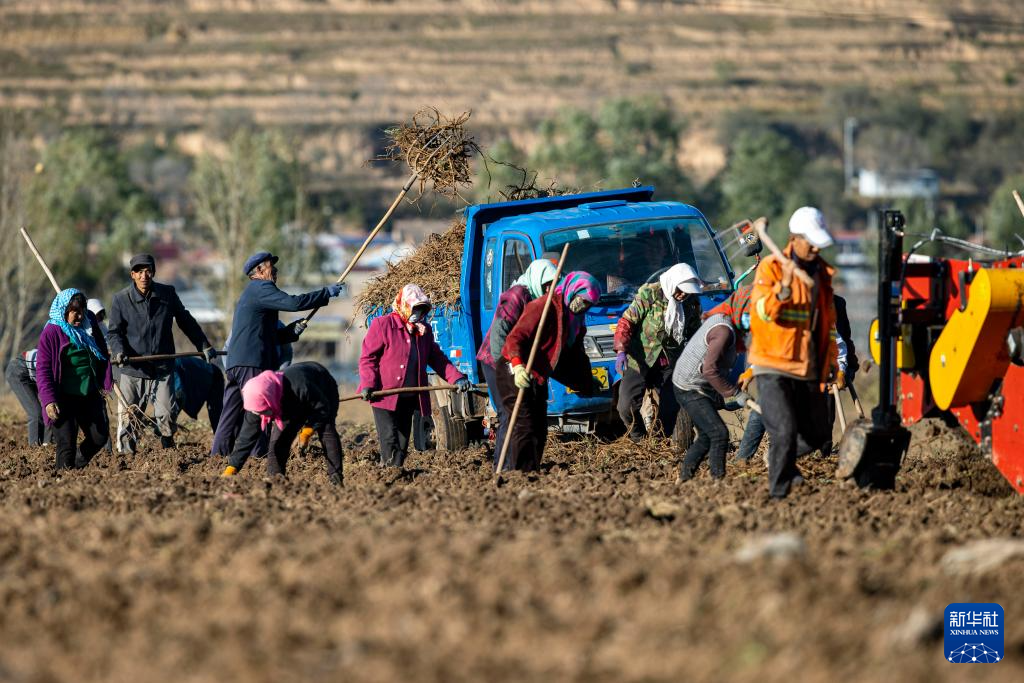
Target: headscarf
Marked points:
578	283
736	307
78	337
536	275
408	298
681	276
262	395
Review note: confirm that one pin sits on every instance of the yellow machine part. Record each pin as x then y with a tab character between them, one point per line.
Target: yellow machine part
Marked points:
904	350
971	352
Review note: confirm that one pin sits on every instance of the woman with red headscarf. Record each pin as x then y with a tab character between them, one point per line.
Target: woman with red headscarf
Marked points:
304	394
560	355
397	350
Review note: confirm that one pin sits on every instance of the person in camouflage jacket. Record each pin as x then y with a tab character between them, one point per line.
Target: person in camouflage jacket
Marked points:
649	338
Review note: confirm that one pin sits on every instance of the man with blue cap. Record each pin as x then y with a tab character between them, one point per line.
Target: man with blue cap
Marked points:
256	338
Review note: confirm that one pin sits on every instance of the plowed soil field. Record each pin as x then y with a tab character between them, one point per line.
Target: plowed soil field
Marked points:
599	568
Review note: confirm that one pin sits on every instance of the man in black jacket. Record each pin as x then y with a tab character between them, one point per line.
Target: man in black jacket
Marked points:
141	315
255	340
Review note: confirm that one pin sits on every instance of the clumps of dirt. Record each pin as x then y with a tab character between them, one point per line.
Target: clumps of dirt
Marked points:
436	267
436	148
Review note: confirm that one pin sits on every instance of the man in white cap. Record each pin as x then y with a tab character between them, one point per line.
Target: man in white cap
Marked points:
793	347
649	338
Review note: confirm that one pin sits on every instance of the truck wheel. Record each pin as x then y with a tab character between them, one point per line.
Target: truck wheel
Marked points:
683	434
449	431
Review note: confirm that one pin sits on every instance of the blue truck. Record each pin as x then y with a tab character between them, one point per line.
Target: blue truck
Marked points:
622	237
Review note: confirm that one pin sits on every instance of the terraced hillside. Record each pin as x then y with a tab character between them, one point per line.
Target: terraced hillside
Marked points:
340	67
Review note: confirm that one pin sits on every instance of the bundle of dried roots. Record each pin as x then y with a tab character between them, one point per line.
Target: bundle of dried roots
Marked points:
436	148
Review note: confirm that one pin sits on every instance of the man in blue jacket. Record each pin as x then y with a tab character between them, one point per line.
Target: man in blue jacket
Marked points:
255	339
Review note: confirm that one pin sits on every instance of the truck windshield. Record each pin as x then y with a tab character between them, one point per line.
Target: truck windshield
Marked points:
623	256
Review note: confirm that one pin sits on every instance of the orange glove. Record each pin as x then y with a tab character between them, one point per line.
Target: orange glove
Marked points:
305	434
744	379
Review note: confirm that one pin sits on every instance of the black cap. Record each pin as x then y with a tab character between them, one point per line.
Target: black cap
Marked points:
142	260
256	259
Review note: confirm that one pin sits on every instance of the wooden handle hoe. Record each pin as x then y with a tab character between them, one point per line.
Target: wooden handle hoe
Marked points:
409	390
373	233
529	361
1020	202
761	225
840	411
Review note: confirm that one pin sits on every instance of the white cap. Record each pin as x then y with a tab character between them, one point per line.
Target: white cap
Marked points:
809	222
95	305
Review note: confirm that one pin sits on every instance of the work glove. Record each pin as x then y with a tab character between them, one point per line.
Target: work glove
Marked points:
522	377
621	362
840	380
229	471
366	394
737	400
52	411
337	479
334	290
462	385
210	354
745	378
119	359
298	327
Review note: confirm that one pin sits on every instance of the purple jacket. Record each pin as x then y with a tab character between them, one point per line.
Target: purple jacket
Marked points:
510	307
385	352
52	343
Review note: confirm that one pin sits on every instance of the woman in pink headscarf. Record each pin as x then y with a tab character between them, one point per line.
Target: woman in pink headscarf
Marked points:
304	394
397	350
560	355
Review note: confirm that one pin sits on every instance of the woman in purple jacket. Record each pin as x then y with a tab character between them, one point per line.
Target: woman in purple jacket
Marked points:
397	349
73	374
532	284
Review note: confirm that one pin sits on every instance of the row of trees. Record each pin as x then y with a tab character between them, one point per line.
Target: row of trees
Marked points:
87	203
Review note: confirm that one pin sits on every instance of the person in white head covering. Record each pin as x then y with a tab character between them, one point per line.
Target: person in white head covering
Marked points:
793	347
96	306
649	337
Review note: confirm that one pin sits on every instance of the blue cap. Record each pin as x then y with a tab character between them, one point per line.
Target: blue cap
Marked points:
256	259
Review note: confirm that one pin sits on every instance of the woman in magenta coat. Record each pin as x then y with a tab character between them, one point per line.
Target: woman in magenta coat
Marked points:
72	375
396	352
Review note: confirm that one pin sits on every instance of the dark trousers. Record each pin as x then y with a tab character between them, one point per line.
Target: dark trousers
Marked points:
233	414
528	436
215	399
87	413
25	390
281	446
631	398
712	435
491	377
393	429
752	435
795	415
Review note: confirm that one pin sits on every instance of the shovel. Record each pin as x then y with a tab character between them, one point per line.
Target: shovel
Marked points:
872	450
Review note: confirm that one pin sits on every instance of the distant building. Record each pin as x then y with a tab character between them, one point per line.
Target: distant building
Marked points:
920	184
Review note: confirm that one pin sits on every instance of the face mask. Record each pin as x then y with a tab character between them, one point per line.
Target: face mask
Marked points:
418	315
579	305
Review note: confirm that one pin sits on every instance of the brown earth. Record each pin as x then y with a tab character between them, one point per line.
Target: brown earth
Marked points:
599	568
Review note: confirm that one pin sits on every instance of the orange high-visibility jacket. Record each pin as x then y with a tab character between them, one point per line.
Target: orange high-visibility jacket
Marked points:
781	330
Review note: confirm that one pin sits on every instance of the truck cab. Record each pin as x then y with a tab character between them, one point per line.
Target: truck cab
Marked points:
622	237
